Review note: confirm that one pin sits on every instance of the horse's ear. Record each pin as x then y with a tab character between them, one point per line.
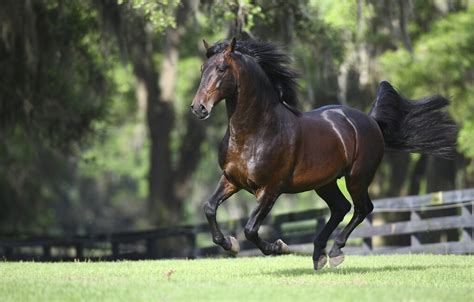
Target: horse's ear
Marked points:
231	47
232	44
206	45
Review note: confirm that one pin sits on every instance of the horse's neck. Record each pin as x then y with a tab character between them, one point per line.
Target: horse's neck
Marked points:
254	107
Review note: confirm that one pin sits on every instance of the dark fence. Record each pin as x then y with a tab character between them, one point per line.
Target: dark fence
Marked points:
438	213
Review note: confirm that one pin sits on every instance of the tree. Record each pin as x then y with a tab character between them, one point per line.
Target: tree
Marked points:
442	62
95	130
53	88
168	174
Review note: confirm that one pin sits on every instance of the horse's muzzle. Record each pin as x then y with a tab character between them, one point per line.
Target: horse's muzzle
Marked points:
201	112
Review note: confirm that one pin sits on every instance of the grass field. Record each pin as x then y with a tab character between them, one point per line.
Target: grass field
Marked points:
285	278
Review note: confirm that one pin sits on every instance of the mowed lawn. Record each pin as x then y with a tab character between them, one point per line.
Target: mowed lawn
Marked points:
285	278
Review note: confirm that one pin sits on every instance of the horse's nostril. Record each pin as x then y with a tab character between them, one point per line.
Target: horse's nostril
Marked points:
202	109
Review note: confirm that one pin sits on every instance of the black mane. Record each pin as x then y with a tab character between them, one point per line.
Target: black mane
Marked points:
274	63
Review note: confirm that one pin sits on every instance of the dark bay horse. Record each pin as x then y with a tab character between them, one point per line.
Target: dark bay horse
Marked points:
271	148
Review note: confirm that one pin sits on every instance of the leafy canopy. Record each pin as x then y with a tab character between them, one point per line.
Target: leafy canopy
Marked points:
442	62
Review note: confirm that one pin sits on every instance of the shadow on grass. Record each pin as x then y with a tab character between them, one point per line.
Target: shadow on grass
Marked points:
350	270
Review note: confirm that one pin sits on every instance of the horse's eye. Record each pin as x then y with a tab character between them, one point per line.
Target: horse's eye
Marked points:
221	68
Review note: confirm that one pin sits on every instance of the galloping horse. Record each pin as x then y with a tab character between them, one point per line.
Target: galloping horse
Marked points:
271	148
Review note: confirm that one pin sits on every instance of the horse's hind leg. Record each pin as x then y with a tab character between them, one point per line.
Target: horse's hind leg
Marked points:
362	207
339	207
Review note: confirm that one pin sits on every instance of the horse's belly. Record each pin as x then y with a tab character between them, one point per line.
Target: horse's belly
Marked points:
325	153
317	168
301	183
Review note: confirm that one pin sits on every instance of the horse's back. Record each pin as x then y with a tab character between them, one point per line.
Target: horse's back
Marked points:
361	123
346	133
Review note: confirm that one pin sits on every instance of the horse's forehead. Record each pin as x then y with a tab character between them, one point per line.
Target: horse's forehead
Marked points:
216	59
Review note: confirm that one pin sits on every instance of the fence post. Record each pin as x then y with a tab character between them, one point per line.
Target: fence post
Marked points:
79	251
46	252
414	238
8	252
466	211
192	245
150	248
115	250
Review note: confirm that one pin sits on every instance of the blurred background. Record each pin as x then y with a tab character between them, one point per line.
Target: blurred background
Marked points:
95	131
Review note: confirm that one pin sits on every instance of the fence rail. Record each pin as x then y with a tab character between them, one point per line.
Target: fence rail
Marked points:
453	211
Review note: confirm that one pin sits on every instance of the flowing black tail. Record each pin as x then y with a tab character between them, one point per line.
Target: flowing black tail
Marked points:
414	126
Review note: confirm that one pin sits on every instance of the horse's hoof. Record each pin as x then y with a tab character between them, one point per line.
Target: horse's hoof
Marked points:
282	247
234	245
335	261
323	259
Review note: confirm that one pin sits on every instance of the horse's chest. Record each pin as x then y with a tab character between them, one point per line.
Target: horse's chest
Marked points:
243	166
249	166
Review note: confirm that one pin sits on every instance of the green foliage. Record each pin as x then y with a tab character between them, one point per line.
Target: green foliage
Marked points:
442	62
115	130
285	278
246	9
341	15
466	140
46	66
223	13
124	152
159	13
53	89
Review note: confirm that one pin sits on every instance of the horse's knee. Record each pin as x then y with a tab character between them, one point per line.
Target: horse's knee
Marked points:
365	210
370	208
341	209
250	233
209	210
345	207
363	213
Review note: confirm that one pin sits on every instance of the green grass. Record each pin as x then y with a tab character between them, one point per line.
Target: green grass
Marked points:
286	278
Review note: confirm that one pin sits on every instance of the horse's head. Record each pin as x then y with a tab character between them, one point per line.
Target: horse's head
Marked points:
218	81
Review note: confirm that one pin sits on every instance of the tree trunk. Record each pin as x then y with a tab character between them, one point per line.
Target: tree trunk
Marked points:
403	21
417	175
399	163
441	174
136	40
166	198
159	116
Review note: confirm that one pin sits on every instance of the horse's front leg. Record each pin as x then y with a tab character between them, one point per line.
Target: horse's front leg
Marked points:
265	204
224	190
